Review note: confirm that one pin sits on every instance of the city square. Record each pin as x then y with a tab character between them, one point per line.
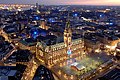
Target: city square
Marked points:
84	65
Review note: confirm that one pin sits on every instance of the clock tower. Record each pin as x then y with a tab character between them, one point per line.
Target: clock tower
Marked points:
67	35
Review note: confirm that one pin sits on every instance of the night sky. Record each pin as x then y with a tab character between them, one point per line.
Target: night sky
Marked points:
69	2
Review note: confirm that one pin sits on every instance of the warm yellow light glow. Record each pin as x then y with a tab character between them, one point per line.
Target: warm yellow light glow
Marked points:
16	44
97	50
38	11
111	47
107	46
59	72
19	9
60	64
71	77
118	50
115	54
65	76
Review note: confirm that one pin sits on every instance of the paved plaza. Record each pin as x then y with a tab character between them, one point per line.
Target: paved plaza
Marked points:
90	63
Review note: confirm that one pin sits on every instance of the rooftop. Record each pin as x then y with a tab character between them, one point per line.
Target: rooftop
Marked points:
28	41
12	72
20	56
5	48
112	75
42	73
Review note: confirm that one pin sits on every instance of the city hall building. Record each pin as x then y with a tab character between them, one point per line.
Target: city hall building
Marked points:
60	52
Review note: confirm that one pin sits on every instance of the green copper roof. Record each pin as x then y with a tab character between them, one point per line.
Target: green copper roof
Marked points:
68	24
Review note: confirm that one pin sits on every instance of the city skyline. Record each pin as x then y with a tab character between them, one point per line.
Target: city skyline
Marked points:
64	2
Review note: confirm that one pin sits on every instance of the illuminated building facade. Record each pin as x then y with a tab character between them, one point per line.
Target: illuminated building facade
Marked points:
60	52
43	25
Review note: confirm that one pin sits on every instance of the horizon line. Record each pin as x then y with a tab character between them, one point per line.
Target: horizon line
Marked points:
57	4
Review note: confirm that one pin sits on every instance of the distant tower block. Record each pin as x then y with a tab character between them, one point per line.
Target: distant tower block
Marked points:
37	4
